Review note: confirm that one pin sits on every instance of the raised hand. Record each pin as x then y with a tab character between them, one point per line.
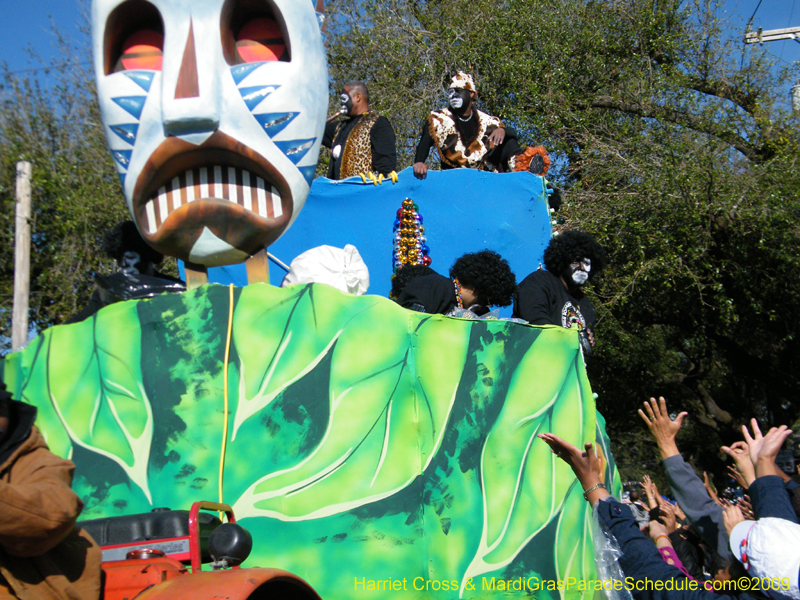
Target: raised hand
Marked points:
731	516
764	448
668	516
710	489
734	472
661	426
747	508
740	453
584	463
650	489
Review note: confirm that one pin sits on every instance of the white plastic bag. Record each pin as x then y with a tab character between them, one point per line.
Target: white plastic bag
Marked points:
343	269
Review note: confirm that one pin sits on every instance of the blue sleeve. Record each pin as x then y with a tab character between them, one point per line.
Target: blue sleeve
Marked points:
703	513
641	561
770	498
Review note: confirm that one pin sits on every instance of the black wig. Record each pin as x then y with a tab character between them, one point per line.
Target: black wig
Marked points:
488	274
570	247
124	237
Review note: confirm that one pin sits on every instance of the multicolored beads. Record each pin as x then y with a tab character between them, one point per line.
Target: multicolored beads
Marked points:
410	247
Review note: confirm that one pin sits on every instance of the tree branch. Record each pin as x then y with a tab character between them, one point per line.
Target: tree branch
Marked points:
651	111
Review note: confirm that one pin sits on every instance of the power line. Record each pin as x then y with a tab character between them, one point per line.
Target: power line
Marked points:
754	14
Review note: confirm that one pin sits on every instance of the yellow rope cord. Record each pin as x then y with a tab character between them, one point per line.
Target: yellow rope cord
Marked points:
225	393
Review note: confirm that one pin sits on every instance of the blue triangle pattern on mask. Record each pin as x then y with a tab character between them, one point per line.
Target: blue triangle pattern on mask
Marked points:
122	179
308	172
320	19
123	157
295	150
273	123
239	72
132	104
126	132
142	78
253	96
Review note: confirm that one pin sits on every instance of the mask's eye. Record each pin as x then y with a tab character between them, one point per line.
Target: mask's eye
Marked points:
142	50
260	40
133	38
253	31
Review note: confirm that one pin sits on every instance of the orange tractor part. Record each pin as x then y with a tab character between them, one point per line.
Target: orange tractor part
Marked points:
150	574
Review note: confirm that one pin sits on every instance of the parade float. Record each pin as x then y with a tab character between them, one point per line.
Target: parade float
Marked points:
369	450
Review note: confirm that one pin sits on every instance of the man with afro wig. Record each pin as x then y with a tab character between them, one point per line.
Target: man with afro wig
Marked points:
477	281
554	296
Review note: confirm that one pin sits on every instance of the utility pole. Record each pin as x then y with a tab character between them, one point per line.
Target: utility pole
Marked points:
22	256
771	35
774	35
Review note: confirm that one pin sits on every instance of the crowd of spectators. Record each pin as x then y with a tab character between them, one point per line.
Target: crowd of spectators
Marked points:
700	545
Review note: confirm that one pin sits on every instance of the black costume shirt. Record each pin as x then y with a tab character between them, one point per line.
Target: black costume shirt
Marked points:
384	153
433	294
542	299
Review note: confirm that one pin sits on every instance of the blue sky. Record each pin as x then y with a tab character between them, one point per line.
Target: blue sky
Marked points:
27	23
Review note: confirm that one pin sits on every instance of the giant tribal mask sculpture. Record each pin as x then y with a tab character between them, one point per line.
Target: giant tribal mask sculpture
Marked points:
214	112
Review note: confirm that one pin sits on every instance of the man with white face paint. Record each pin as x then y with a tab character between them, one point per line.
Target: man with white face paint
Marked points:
214	112
362	141
465	136
554	296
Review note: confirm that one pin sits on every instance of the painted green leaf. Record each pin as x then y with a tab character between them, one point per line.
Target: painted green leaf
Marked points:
26	378
441	345
103	379
574	551
369	450
523	483
603	449
280	335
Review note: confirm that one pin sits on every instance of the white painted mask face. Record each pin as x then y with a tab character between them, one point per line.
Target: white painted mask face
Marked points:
214	112
580	271
130	263
454	99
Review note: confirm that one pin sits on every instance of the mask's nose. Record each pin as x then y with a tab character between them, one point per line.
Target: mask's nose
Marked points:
191	96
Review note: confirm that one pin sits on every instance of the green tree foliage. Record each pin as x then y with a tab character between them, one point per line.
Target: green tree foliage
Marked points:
51	118
677	150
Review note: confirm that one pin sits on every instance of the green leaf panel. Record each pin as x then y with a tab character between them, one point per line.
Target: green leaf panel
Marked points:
381	417
574	550
524	484
280	337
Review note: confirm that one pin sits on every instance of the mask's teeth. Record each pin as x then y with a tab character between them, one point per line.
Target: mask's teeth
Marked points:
238	186
151	217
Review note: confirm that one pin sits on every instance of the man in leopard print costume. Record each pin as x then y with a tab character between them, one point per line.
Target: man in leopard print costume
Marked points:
363	142
465	136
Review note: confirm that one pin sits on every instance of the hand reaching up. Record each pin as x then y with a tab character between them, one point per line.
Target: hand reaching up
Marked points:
764	448
740	453
661	426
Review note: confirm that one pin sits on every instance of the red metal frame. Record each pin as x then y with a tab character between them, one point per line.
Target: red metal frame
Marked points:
194	530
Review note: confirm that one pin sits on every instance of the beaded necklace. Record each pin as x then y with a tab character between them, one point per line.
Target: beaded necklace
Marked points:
457	285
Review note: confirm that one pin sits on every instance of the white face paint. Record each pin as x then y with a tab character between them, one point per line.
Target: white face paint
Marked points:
580	277
130	263
346	103
454	99
581	270
216	144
